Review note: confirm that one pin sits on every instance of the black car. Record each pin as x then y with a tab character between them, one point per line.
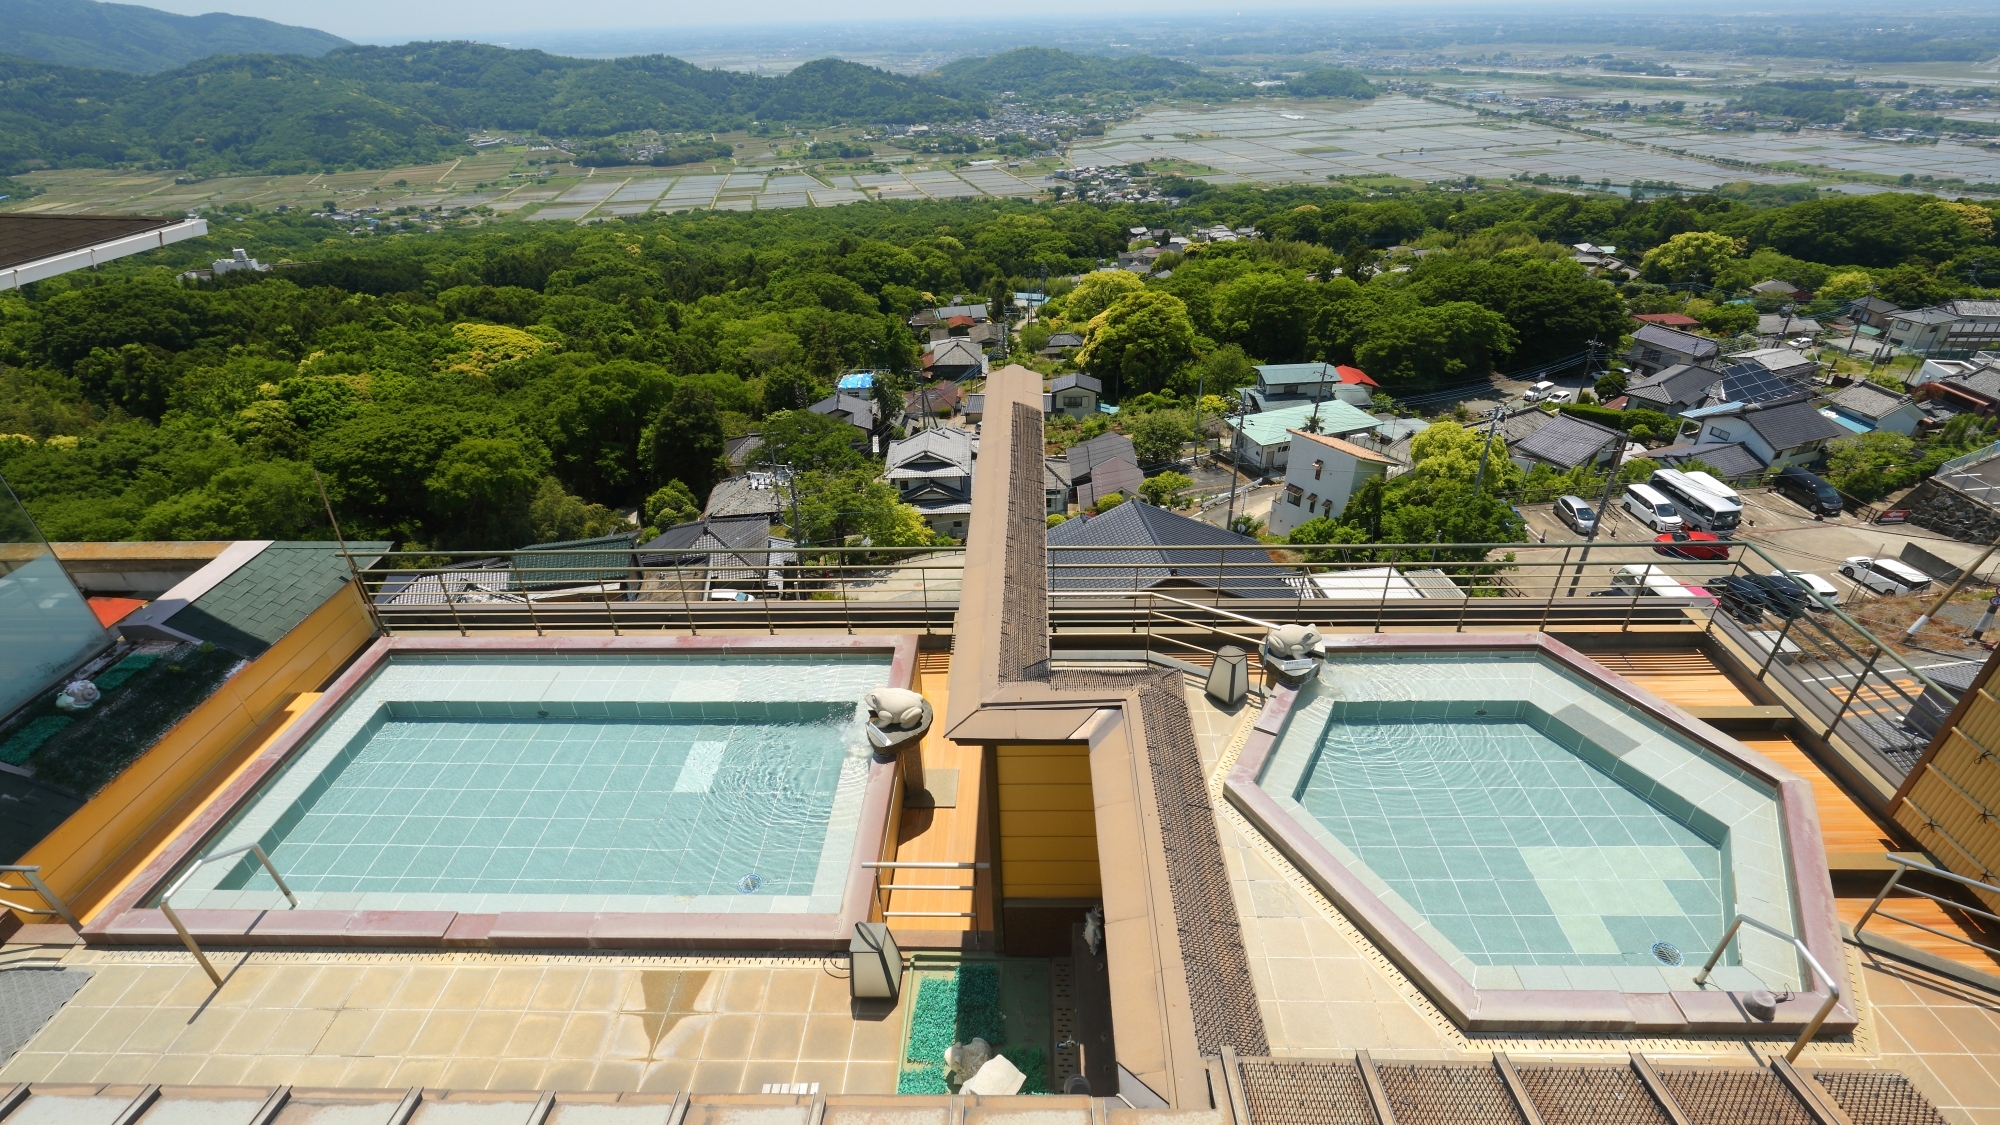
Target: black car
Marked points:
1783	596
1809	489
1741	598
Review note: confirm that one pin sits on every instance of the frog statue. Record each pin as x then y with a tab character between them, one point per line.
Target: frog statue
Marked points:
1291	652
896	716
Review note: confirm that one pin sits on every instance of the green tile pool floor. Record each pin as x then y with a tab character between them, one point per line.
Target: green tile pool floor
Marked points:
594	807
1516	849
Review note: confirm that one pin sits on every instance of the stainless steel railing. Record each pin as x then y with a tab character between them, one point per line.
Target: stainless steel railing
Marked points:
1904	866
57	908
1737	922
187	939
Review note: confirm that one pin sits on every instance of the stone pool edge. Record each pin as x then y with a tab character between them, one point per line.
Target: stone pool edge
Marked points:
122	921
1704	1011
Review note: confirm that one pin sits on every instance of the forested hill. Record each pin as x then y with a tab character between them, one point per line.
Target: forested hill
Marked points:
382	106
1047	74
127	37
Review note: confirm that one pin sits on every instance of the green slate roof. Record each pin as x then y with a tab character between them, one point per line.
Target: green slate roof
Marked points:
269	595
1335	418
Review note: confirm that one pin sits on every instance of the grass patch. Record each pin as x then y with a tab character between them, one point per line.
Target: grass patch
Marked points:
958	1008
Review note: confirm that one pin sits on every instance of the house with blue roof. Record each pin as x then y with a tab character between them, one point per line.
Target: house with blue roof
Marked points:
1263	440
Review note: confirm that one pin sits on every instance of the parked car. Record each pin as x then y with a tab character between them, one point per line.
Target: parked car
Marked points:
1647	580
1683	543
1560	395
1651	508
1813	582
1577	513
1809	489
1885	576
730	596
1742	598
1785	597
1539	391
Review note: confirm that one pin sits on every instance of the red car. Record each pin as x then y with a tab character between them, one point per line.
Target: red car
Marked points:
1686	544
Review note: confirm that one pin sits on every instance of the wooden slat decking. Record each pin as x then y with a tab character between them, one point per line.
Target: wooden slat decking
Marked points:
1683	677
931	835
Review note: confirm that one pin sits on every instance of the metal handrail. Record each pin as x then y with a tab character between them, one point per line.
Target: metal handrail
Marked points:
929	865
1904	866
1832	987
187	939
33	874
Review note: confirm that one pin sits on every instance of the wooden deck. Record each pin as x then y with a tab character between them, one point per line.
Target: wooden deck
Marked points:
942	834
1686	678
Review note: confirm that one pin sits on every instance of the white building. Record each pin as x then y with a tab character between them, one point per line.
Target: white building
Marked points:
1321	474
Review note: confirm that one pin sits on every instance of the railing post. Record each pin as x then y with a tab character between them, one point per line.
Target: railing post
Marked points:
1895	878
1555	583
1866	670
846	610
1779	647
451	603
1382	606
924	577
528	599
680	579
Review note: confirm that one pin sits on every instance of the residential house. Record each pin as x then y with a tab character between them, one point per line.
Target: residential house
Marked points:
1656	348
1922	330
1565	442
940	400
1118	475
1975	327
752	494
742	452
1935	369
1385	584
1781	289
1075	396
1672	390
1263	441
1784	326
975	409
1133	547
1321	474
1976	392
1873	312
954	357
1784	363
1287	384
1061	344
986	335
932	472
1103	465
858	411
1668	320
1780	433
1730	460
976	312
1877	408
1055	485
1391	437
712	555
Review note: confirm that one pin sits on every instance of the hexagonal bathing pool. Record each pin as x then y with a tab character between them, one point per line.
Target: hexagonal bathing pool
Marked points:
1536	842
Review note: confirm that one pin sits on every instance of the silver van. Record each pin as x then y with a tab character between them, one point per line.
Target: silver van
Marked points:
1885	576
1651	508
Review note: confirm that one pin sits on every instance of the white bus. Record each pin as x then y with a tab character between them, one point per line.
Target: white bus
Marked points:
1710	485
1697	505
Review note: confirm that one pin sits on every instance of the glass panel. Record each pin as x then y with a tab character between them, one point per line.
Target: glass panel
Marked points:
46	628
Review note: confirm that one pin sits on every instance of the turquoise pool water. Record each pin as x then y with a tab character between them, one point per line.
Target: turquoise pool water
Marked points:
1517	849
628	783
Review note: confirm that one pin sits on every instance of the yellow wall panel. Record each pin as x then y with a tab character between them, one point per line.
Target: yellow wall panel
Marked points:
1079	848
1047	822
1019	825
1023	770
1045	798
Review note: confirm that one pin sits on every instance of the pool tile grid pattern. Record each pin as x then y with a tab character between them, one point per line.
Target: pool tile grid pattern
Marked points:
1662	772
495	783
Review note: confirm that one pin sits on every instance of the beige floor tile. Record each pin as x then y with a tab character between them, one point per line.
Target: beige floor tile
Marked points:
487	1034
155	1029
151	985
275	1070
558	989
628	1038
253	1031
205	1035
222	1070
29	1066
370	1073
376	985
712	1076
778	1037
583	1036
742	990
300	1032
880	1040
421	987
468	1073
517	1074
76	1066
569	1074
791	991
870	1078
757	1073
393	1033
729	1037
831	994
670	1077
287	987
440	1034
603	990
174	1070
826	1037
512	988
318	1070
348	1031
618	1075
535	1036
241	988
70	1027
830	1074
419	1072
684	1040
467	988
1308	1026
331	987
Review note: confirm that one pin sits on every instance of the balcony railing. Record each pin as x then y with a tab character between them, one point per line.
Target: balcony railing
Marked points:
1846	681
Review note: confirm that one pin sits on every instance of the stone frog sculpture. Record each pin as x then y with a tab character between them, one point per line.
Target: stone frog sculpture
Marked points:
1291	651
896	716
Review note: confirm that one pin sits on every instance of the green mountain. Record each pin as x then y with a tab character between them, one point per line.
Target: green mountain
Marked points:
375	107
1047	74
127	37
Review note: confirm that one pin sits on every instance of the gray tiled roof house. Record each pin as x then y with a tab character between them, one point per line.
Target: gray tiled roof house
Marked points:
1567	441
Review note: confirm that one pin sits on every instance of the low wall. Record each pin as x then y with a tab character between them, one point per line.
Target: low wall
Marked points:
110	837
1937	506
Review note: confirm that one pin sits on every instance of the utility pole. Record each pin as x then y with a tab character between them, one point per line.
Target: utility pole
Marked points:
1235	451
1480	478
1603	513
1964	576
